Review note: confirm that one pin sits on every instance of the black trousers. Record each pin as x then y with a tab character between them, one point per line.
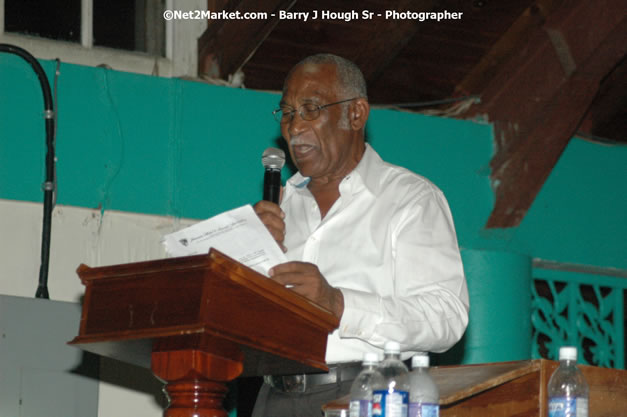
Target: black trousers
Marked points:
274	403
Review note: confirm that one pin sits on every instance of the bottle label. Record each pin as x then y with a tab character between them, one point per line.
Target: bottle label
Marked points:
568	407
360	408
424	410
390	404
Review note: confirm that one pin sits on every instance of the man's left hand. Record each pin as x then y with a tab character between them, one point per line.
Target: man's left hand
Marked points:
306	279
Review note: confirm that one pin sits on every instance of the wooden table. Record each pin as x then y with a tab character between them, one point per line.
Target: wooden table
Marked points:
518	389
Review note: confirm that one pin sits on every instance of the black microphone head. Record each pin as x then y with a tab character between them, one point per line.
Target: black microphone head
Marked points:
273	158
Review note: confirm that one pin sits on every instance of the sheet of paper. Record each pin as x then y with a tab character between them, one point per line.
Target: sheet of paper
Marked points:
238	233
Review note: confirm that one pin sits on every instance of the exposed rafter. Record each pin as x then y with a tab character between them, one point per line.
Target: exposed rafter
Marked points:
606	119
506	47
538	98
379	51
227	44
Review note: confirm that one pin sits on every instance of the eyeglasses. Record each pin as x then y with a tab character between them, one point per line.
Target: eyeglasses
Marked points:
307	111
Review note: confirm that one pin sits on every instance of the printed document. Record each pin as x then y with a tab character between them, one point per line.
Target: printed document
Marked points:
238	233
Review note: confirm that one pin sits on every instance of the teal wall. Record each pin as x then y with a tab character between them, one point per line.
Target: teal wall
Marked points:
580	215
173	147
496	281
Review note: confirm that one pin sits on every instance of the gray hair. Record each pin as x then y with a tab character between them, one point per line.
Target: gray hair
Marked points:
350	78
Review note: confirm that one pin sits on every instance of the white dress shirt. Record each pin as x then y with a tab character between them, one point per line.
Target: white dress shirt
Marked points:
389	244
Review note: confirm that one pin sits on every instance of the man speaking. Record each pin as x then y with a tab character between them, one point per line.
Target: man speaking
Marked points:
372	242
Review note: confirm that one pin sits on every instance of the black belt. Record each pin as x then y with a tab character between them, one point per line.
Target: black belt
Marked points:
302	382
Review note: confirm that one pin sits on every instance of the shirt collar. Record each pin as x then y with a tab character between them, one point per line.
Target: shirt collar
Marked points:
369	170
366	173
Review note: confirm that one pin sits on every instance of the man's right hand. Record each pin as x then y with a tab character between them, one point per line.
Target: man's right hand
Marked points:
272	217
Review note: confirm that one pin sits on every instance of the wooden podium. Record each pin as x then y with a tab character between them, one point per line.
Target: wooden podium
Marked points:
198	322
518	389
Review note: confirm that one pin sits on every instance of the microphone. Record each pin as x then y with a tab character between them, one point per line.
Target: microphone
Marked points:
273	160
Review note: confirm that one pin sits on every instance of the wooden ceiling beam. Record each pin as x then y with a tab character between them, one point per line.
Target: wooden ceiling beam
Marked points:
506	47
539	96
606	119
227	44
389	38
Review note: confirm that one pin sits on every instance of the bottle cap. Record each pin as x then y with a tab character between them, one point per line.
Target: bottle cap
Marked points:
370	358
568	353
420	360
392	347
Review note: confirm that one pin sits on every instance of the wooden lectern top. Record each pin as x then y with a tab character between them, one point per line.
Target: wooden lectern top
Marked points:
206	302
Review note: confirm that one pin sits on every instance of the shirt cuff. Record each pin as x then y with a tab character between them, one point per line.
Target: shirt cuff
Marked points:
362	313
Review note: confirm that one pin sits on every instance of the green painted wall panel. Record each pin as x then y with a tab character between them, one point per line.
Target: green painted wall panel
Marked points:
497	281
22	132
113	140
223	133
182	148
580	214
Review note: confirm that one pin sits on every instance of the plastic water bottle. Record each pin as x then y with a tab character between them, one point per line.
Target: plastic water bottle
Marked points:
424	397
567	389
361	390
391	397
